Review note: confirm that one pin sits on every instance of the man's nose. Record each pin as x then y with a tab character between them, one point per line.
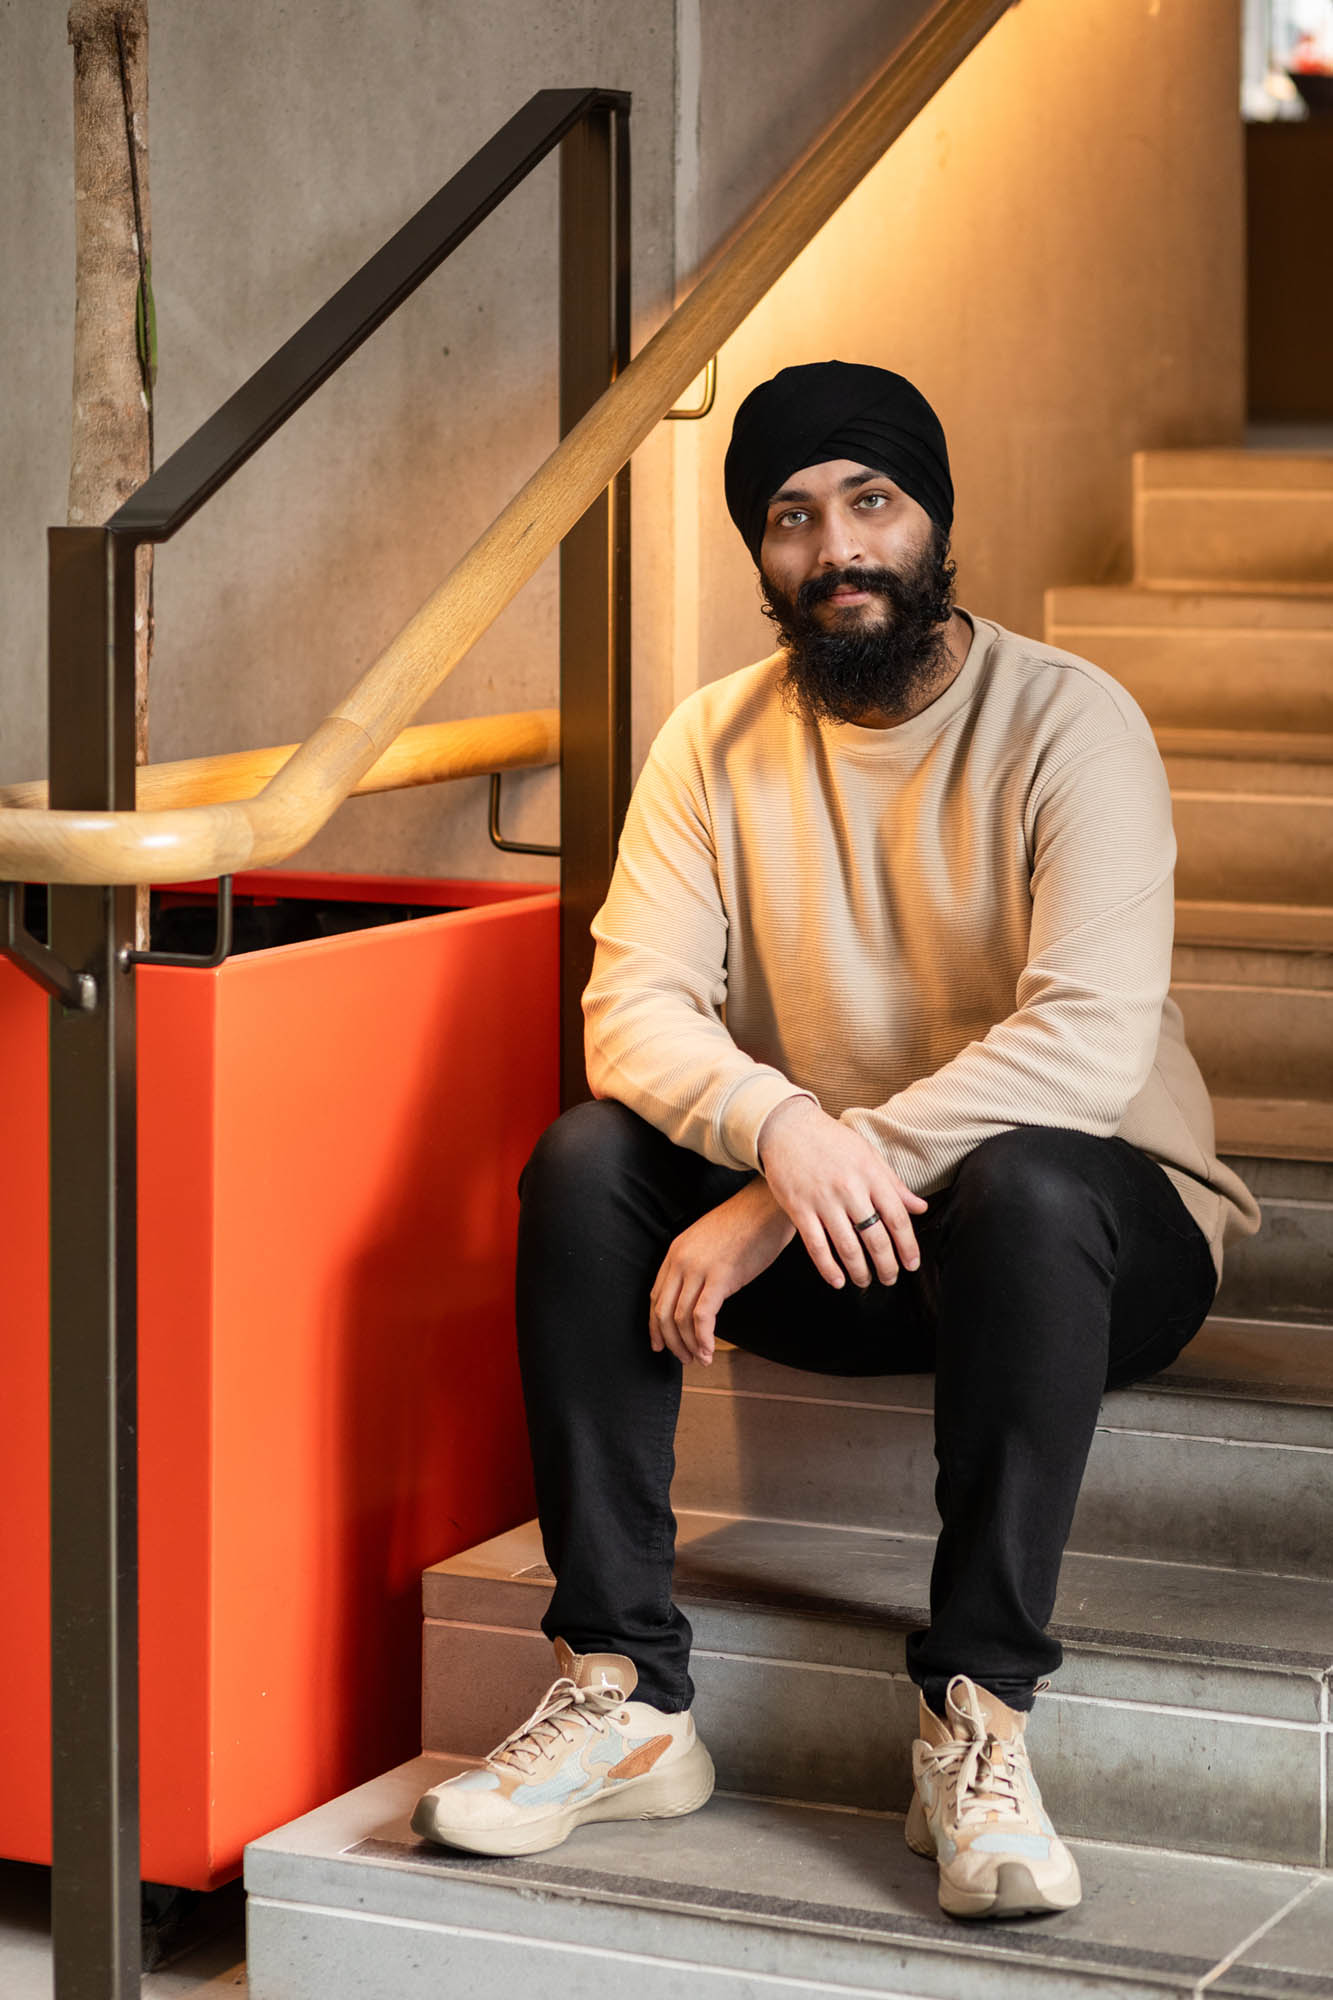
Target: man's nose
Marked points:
840	543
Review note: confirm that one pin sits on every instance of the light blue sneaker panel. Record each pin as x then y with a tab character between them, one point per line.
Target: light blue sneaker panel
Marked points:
1013	1843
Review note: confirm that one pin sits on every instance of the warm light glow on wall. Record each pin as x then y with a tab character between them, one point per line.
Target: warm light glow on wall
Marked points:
1053	251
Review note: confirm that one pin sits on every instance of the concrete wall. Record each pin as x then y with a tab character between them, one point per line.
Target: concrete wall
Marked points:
1053	250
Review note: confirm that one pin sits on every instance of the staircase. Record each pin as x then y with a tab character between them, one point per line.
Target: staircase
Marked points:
1187	1746
1225	638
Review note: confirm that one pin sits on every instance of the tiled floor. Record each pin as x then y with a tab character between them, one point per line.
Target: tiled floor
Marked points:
211	1966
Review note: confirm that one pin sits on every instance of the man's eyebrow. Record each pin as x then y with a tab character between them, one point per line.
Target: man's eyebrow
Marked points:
845	485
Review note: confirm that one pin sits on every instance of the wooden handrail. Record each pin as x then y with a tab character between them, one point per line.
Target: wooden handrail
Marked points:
207	840
427	755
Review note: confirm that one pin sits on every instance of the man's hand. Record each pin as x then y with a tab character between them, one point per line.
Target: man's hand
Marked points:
709	1261
826	1178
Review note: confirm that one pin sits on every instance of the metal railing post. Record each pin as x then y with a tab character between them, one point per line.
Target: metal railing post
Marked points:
594	558
94	1496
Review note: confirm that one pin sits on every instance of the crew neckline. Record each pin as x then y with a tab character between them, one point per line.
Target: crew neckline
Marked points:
855	739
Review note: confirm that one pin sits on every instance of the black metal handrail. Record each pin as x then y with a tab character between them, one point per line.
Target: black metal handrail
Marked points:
89	962
222	444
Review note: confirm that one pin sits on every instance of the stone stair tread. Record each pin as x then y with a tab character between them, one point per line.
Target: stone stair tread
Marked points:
1284	1128
1277	746
1180	608
864	1578
1300	587
1253	1358
828	1899
1276	926
1227	469
1275	781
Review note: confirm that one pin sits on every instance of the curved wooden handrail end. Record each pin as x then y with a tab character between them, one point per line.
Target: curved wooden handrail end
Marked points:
252	803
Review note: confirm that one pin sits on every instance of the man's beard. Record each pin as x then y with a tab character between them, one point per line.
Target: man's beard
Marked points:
853	667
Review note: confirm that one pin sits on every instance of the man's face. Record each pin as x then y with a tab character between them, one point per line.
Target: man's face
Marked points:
857	579
829	519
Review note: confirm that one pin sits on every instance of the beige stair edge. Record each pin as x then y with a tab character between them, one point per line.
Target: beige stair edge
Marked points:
1226	469
1274	1128
1124	606
1273	746
1282	926
1306	586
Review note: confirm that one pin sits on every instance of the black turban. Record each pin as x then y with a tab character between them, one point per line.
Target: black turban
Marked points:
834	409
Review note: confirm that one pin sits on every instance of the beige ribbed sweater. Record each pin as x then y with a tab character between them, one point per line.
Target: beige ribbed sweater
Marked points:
942	929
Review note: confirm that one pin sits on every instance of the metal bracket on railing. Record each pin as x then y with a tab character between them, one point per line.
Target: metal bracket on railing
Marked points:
76	990
203	963
497	838
710	396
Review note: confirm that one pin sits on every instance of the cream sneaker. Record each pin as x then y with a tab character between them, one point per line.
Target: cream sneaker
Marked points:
586	1752
977	1811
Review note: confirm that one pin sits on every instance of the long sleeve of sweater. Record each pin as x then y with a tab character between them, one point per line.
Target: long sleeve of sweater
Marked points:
654	1032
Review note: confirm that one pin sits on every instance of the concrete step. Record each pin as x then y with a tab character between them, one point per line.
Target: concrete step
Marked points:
1272	843
1234	519
1286	1128
1207	659
1260	1041
746	1900
1179	1474
1248	760
1289	927
1230	964
1189	1711
1285	1273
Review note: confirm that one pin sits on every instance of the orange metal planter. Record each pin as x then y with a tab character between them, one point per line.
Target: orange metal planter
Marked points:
330	1136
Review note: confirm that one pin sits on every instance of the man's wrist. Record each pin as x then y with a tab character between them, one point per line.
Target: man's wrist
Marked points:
765	1131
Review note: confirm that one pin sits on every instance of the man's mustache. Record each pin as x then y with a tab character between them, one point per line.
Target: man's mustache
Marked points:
818	589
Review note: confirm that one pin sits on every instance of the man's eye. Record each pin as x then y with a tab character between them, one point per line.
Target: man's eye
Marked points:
791	518
872	500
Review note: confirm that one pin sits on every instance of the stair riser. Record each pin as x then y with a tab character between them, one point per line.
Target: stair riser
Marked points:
1246	850
1247	965
1296	1130
833	1735
455	1939
1234	538
1286	1271
1212	680
322	1954
1161	1496
1256	1041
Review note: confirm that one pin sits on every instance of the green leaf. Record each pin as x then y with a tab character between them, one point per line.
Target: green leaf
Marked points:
145	328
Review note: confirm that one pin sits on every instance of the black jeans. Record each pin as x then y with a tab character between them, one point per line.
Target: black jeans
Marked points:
1053	1267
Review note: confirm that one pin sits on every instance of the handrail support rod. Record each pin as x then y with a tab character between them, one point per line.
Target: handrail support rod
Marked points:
95	1904
594	559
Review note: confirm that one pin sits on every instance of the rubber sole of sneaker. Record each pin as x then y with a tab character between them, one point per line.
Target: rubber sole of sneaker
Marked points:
669	1794
1016	1893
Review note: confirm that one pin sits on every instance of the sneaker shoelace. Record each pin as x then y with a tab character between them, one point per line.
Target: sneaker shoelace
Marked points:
556	1719
985	1777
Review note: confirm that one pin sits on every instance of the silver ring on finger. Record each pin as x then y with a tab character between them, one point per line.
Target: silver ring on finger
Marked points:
869	1223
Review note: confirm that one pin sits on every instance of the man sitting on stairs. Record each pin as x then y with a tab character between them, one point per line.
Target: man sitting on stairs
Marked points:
886	1080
